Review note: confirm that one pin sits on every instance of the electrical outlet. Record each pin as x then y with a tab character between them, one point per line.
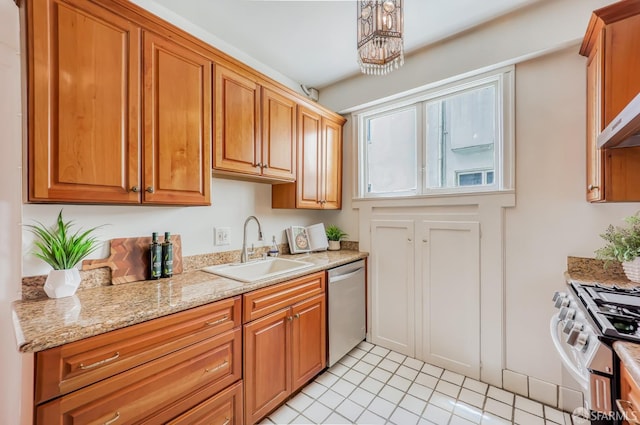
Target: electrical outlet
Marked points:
222	235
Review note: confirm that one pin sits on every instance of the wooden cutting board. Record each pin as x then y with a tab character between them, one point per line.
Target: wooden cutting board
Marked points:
129	259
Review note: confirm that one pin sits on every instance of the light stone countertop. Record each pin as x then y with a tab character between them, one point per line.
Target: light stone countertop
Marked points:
46	323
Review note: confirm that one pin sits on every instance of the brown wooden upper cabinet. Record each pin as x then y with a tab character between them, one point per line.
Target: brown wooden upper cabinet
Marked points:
611	45
91	136
319	181
255	128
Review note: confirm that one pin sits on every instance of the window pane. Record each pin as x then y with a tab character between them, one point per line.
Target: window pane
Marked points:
470	179
391	153
461	131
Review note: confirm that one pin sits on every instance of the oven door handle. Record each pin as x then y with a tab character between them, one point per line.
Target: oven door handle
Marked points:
566	360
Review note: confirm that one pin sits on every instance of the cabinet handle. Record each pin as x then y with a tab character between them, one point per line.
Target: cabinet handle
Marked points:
216	322
259	164
425	240
297	315
115	418
265	166
409	240
289	318
592	187
220	366
226	421
101	362
149	189
135	189
626	408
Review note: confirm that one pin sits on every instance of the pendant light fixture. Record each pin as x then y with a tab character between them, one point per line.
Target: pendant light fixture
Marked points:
380	44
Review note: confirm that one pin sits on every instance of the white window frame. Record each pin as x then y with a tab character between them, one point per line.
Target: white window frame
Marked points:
504	162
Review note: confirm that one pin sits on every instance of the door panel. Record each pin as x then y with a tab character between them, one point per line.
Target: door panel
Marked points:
393	285
278	135
177	132
267	371
309	341
309	139
237	123
332	167
83	140
449	255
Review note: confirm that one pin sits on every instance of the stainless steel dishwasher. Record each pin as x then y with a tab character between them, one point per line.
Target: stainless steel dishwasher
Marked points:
346	309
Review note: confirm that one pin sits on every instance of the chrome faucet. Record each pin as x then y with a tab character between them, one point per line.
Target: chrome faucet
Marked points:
244	257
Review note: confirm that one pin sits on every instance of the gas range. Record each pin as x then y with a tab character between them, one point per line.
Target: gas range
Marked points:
589	320
615	311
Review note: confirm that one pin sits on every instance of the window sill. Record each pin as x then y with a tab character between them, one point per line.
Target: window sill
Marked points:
506	198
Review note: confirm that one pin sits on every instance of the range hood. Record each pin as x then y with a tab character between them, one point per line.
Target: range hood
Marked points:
624	129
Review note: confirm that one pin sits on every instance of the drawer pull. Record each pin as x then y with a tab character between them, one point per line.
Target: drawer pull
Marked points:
115	418
217	322
220	366
297	315
226	421
626	408
101	362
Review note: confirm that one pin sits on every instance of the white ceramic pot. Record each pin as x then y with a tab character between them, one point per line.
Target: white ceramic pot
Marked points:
62	283
334	245
632	270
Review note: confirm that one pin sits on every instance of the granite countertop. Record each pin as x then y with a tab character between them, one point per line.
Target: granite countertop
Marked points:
589	271
46	323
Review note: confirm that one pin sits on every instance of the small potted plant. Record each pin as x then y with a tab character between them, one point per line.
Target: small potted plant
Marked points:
62	250
334	235
623	245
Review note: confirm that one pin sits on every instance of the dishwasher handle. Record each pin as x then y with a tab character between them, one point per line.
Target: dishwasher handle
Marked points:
338	278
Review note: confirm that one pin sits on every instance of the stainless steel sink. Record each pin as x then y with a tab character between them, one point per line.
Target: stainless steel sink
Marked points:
257	270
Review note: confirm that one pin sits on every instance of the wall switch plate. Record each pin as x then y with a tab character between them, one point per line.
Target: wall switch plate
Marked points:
222	235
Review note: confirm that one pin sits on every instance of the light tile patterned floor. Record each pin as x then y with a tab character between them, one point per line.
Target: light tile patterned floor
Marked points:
372	385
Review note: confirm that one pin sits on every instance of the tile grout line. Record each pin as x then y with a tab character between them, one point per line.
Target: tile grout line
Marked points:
404	393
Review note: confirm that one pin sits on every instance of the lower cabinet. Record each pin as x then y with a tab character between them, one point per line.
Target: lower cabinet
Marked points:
187	368
286	348
417	266
149	378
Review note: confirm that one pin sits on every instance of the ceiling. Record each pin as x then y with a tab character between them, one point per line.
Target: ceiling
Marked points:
314	42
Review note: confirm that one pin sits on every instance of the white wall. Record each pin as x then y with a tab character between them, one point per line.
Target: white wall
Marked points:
11	362
232	202
551	219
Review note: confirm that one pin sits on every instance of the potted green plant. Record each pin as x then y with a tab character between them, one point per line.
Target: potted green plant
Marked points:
334	235
623	245
62	250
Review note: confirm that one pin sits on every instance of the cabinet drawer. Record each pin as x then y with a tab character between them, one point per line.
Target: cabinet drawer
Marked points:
136	394
261	302
67	368
225	408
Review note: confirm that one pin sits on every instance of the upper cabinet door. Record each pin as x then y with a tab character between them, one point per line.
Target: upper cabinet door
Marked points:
332	165
83	103
177	130
278	135
309	185
237	141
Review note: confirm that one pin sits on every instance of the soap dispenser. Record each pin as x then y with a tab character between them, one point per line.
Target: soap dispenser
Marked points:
273	250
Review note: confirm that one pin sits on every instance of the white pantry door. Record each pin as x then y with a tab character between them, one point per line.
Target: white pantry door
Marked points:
393	285
449	270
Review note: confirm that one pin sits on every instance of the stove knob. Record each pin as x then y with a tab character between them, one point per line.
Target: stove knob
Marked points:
582	340
557	295
567	313
562	302
568	326
577	338
571	313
